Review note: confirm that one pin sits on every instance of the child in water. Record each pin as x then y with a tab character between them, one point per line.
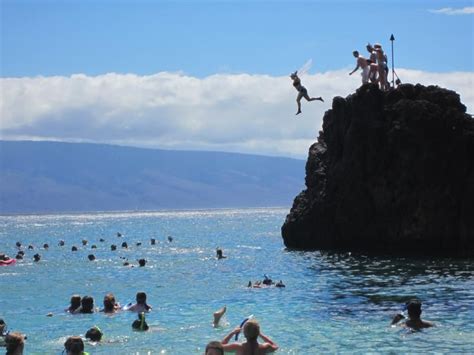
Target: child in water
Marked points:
302	92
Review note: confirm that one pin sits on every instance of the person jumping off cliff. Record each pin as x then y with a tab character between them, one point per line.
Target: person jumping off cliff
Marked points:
302	92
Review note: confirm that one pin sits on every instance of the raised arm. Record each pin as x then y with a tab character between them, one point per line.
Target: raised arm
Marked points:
226	339
234	347
269	344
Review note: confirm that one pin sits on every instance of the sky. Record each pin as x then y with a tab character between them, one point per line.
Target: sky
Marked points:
211	75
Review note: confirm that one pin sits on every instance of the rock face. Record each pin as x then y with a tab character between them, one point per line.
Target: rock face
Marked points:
390	173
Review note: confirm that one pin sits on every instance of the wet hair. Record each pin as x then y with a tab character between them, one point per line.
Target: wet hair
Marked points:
124	245
94	334
84	241
113	247
37	257
414	308
138	244
19	256
142	262
94	246
74	248
109	303
2	326
251	330
87	304
153	241
45	245
31	247
13	341
74	345
216	345
91	257
75	302
18	244
141	299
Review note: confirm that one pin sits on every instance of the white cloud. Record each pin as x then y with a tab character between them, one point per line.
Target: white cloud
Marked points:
241	113
452	11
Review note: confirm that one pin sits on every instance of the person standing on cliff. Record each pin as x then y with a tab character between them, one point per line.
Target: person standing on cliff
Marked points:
372	62
361	63
302	92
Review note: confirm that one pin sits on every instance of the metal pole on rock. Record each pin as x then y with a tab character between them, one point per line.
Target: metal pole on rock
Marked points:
392	39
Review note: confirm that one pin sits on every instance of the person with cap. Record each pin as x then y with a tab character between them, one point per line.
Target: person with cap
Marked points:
414	320
302	92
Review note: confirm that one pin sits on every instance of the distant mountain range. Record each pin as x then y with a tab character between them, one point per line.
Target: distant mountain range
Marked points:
40	177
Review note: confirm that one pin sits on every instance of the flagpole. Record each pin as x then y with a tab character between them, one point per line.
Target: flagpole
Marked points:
392	39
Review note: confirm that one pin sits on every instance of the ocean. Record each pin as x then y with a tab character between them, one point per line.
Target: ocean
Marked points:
332	302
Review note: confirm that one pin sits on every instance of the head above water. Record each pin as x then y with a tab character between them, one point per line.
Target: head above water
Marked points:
75	301
141	297
414	309
109	302
251	330
214	348
94	334
87	304
74	345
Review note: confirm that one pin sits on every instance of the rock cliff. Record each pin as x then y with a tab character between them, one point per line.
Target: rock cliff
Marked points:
390	173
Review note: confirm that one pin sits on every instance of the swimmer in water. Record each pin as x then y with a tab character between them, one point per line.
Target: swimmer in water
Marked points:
414	320
74	346
251	346
75	303
218	315
214	348
15	343
220	254
94	334
87	305
141	305
110	305
302	92
140	323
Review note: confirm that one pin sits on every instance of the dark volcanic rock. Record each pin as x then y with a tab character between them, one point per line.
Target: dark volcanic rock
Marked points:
391	173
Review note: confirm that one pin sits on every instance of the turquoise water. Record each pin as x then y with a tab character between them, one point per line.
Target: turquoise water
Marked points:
333	303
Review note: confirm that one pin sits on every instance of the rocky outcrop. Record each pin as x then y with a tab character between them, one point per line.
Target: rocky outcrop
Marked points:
390	173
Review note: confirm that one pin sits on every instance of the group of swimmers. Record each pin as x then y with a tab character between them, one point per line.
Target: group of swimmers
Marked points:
20	255
375	68
265	283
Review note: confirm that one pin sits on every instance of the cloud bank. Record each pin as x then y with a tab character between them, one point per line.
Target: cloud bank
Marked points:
225	112
452	11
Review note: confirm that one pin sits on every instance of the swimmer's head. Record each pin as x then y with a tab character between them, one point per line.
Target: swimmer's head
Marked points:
142	262
124	245
2	326
109	302
414	309
251	329
74	345
14	343
87	304
73	248
214	348
141	297
91	257
75	301
94	334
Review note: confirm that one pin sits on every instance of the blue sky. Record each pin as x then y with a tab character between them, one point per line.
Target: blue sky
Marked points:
210	75
201	38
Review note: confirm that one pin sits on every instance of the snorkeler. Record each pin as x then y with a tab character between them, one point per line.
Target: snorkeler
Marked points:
251	346
414	320
94	334
302	92
140	323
